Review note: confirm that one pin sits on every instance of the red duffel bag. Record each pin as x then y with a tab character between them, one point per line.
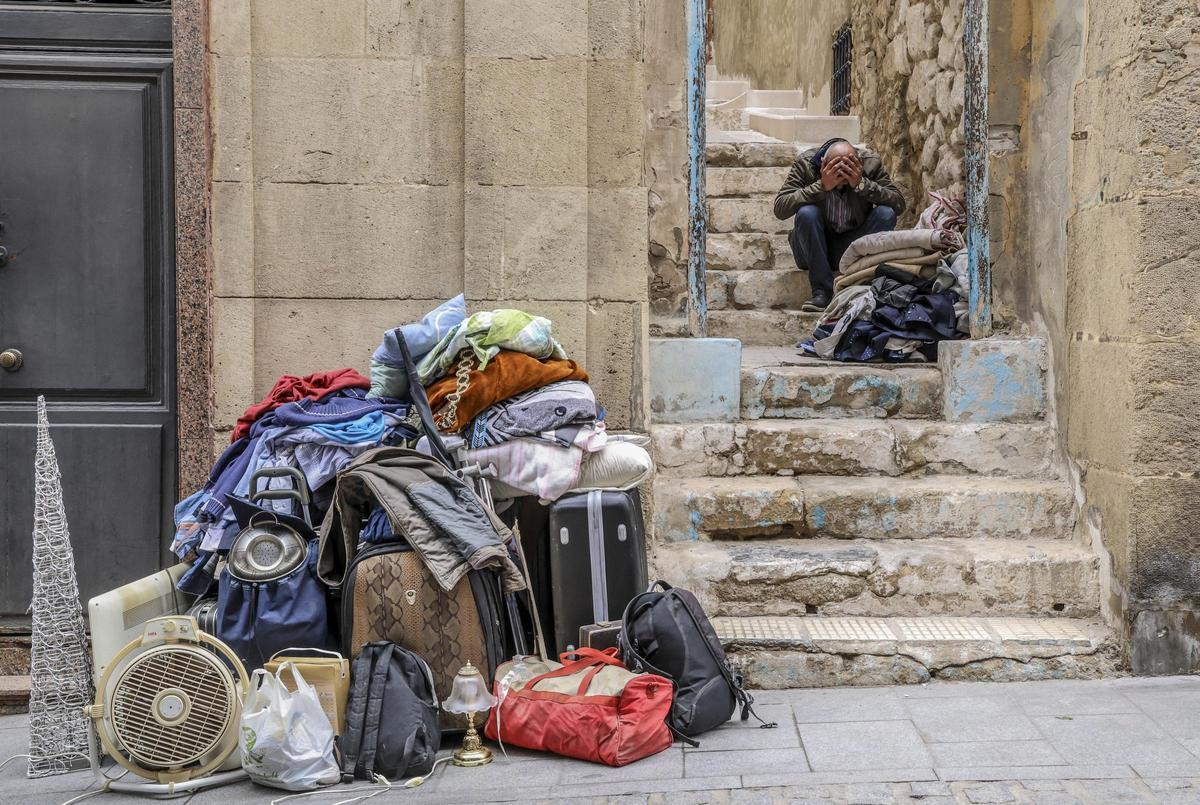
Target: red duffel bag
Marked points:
591	708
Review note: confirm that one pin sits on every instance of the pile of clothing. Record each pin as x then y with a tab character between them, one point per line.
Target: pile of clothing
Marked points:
899	293
318	424
499	381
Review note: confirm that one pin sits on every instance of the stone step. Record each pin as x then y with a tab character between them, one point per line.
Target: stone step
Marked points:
937	577
776	328
837	507
757	290
745	251
752	154
719	182
785	383
14	694
783	653
791	125
853	447
748	214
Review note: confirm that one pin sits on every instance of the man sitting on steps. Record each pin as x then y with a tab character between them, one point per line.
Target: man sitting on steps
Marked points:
838	194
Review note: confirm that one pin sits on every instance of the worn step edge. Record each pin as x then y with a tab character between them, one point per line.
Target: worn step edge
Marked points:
753	327
938	577
834	507
1002	650
846	446
14	694
830	389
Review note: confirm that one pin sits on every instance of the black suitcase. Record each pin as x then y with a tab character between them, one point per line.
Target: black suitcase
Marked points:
597	547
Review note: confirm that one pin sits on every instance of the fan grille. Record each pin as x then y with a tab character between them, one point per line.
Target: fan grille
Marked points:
210	695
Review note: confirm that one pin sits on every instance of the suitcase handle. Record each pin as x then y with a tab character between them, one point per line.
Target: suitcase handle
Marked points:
298	493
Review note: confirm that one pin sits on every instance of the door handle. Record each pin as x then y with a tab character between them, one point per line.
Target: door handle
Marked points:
11	360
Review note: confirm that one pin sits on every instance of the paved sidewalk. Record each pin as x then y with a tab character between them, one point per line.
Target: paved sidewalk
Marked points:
1055	742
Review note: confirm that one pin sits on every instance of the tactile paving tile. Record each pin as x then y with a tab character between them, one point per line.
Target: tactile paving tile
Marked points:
849	629
1038	630
763	628
937	630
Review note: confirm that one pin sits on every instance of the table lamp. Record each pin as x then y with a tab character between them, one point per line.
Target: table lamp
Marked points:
470	695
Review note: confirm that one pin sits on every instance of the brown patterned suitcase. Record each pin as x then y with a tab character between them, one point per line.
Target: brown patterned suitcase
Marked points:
389	594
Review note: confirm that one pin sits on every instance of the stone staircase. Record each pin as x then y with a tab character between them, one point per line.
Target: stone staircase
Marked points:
867	524
881	524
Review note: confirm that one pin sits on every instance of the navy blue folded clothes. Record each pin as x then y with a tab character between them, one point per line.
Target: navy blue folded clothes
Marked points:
378	528
340	406
531	413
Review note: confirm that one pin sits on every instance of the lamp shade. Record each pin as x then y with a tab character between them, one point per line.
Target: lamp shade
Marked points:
470	693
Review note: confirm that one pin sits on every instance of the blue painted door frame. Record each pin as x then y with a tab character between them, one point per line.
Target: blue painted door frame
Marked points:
697	63
975	121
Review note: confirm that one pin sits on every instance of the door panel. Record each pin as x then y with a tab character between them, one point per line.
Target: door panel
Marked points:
113	503
87	296
85	265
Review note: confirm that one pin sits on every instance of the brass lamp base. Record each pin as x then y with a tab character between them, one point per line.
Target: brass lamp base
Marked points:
472	752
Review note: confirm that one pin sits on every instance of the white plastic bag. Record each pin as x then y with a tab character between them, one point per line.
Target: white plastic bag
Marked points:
286	739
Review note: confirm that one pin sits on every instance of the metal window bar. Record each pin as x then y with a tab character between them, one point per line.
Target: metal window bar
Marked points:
843	57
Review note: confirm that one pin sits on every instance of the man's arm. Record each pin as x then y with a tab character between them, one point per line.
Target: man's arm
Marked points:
800	188
878	188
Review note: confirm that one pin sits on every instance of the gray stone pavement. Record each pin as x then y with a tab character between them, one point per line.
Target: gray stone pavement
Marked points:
1049	743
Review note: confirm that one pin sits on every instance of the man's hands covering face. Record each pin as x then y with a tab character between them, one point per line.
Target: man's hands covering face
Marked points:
840	170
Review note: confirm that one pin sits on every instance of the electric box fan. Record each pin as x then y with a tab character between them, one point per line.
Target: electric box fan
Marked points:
168	708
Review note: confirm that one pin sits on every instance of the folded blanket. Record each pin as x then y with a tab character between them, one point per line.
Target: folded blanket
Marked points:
486	333
883	246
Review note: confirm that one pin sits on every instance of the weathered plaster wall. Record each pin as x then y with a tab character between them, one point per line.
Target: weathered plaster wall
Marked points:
1133	315
373	157
908	90
778	44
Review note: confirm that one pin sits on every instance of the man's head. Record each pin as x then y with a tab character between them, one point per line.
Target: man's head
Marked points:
841	148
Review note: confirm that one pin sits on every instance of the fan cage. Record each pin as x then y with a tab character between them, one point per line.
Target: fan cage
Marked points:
211	697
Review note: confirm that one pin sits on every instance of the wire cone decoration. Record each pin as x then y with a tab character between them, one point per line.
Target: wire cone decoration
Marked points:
60	664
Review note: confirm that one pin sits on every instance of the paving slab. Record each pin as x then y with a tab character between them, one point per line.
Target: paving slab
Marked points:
864	745
745	761
974	718
995	753
834	705
1132	739
750	734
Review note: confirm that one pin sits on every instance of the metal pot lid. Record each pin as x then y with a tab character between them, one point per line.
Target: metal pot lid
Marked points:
266	552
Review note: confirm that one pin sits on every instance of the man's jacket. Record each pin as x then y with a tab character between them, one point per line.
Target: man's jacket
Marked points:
803	185
439	515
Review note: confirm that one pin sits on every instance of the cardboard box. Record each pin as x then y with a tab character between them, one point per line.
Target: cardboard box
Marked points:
327	671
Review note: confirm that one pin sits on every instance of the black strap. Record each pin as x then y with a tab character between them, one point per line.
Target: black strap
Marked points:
421	402
379	675
352	733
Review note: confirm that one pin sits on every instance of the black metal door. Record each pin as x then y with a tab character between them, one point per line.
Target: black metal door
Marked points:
87	285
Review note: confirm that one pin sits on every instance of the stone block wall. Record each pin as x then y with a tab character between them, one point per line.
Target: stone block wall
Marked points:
1131	333
374	157
907	88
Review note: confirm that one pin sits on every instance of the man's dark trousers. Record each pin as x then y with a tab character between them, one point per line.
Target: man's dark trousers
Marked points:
820	249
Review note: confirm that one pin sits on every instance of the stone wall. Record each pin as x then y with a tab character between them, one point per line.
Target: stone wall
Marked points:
1133	315
778	44
665	163
908	90
373	157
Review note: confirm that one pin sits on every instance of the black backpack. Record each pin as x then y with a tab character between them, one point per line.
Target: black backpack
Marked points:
392	714
666	632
